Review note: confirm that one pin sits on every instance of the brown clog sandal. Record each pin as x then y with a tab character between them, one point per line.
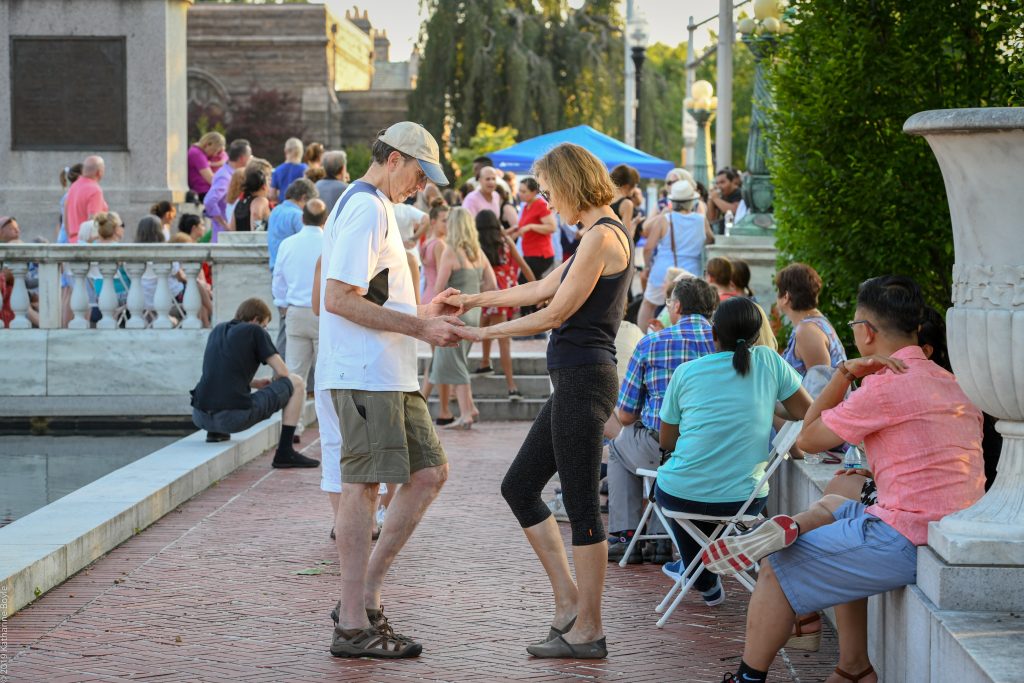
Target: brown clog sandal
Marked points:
854	679
809	642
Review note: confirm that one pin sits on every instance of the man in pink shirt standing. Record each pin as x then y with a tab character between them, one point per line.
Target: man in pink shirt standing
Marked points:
922	438
85	197
485	196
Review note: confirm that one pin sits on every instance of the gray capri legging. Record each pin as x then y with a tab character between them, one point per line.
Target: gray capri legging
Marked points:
567	438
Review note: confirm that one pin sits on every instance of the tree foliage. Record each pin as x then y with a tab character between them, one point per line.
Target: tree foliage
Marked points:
533	66
855	196
266	119
487	139
664	86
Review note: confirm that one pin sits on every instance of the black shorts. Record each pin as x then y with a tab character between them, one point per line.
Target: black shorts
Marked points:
265	403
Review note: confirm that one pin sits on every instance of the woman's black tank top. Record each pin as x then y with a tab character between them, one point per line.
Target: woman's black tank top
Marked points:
242	223
588	336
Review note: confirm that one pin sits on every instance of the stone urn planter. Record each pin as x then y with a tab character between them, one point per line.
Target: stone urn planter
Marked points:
981	155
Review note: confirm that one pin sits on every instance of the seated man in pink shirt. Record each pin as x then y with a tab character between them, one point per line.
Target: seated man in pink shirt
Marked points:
922	437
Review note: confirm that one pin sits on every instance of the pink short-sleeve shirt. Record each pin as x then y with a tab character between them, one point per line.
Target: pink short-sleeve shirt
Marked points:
922	438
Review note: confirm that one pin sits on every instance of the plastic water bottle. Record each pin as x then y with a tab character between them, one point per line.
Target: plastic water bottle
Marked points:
854	459
728	222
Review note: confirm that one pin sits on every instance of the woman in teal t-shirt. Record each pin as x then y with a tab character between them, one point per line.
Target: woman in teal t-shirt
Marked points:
716	418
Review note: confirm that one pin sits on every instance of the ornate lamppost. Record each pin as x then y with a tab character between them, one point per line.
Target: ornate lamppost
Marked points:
701	105
760	35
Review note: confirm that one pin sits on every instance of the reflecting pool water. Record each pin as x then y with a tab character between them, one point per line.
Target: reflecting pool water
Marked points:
37	470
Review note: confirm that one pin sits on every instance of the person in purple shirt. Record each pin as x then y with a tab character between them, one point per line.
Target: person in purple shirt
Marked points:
215	203
292	169
203	158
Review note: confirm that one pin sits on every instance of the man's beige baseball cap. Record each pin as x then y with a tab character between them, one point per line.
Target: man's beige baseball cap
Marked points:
413	139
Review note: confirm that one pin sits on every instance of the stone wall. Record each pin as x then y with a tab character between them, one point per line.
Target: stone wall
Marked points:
366	113
152	168
289	48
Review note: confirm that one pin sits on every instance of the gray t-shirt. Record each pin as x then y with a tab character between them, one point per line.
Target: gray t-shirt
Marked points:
330	190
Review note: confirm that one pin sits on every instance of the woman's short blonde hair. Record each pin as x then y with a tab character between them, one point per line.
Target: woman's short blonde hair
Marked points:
462	233
212	141
576	177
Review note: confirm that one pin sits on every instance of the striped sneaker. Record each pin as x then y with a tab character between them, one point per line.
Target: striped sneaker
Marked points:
734	554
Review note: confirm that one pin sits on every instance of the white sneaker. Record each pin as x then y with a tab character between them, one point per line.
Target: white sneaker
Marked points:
734	554
381	513
557	509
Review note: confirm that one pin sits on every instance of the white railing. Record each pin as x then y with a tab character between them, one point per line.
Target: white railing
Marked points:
239	271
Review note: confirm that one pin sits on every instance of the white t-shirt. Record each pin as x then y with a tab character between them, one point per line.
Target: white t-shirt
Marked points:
360	241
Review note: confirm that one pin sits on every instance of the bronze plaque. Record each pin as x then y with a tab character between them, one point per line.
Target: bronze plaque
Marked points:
69	93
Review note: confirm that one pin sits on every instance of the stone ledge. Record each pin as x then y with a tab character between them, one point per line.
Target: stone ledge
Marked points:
46	547
910	638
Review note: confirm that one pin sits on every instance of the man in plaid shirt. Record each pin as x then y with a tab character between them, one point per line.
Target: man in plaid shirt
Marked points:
650	368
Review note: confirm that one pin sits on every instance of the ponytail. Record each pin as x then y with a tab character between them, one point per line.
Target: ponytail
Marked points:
741	357
737	324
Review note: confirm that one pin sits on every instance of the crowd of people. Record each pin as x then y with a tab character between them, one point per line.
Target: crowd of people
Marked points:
361	269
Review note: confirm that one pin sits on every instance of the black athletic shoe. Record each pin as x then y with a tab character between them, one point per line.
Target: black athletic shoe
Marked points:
483	371
217	437
293	459
442	421
617	544
515	395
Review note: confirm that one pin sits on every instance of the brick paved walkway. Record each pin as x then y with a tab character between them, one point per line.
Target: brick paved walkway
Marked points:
211	593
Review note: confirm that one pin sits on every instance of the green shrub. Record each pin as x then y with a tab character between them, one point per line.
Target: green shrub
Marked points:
855	196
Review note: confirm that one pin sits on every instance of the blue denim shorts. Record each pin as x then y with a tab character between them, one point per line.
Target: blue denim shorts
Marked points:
856	556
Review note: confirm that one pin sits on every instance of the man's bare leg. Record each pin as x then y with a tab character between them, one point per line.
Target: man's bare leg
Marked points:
355	523
404	514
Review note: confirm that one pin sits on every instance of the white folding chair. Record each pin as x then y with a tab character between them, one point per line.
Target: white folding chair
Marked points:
652	509
724	525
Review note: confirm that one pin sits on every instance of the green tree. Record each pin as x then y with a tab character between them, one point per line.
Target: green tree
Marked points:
855	196
486	140
535	67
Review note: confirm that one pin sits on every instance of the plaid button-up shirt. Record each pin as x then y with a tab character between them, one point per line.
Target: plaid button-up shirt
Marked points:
653	361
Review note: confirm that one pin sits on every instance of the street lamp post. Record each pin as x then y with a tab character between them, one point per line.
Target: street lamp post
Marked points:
760	35
638	41
701	105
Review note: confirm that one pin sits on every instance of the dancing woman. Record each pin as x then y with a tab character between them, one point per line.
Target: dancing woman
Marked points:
588	298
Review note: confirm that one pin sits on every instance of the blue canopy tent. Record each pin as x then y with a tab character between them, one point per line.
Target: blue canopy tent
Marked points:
519	158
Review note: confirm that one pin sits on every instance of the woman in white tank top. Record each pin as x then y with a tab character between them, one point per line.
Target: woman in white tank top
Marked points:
679	236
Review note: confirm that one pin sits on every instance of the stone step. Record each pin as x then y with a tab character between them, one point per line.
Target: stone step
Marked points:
497	409
531	386
522	364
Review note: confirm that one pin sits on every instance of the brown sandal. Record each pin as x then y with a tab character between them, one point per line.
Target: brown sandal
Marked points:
854	679
809	642
372	642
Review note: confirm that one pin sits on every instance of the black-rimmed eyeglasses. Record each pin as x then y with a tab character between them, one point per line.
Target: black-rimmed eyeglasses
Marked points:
863	322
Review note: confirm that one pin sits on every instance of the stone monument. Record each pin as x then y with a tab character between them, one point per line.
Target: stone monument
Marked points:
103	77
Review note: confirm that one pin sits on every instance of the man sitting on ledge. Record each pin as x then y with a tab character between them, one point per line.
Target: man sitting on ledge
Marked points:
222	403
922	439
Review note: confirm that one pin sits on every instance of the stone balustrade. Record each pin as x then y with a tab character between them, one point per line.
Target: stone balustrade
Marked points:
238	272
134	365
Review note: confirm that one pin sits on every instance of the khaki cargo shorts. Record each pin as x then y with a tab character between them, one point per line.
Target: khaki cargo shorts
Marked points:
385	436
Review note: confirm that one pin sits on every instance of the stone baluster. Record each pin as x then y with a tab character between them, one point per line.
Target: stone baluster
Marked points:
108	297
79	296
192	302
136	299
162	298
19	297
